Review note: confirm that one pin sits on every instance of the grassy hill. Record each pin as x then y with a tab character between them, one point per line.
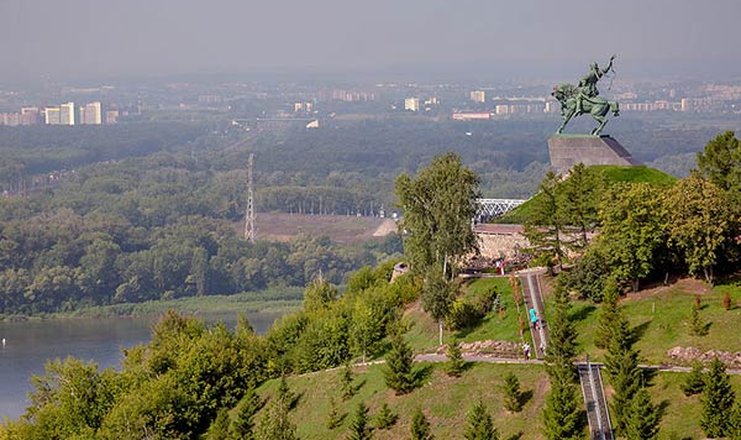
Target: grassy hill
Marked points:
445	401
658	314
610	174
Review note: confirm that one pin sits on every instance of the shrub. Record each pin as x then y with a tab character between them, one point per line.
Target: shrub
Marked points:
385	417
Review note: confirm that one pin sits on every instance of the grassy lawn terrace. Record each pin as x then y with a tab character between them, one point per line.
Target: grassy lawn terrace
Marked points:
661	318
500	326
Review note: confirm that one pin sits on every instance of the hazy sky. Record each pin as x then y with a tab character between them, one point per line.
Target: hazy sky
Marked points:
90	38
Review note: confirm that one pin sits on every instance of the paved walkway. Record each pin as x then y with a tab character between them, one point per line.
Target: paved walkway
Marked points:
598	415
531	293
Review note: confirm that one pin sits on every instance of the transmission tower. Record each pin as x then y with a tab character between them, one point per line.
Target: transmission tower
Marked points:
249	218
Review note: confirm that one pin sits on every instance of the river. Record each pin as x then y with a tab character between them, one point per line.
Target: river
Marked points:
29	344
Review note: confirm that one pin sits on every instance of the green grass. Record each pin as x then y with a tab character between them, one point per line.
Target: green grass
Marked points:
681	418
634	174
661	320
611	174
501	326
444	401
660	317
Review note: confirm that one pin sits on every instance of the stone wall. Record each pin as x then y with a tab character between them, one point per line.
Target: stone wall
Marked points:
497	246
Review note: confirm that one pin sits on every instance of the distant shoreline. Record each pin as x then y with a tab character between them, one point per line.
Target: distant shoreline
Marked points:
273	300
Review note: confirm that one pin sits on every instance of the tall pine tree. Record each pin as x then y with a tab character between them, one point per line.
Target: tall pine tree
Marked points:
544	227
275	424
563	405
694	382
621	364
717	401
643	423
562	412
607	314
243	424
455	364
398	372
512	393
346	382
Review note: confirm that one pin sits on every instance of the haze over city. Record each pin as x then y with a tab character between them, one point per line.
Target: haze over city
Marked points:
87	39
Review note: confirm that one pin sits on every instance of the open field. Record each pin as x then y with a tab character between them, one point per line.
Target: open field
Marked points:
339	228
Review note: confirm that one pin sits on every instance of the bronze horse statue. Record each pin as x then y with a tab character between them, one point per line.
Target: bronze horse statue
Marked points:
567	95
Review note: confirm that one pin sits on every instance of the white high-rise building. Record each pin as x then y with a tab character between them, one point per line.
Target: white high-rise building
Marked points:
51	116
91	114
478	96
411	104
67	113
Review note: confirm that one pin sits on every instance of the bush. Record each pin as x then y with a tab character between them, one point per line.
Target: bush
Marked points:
462	315
588	276
467	312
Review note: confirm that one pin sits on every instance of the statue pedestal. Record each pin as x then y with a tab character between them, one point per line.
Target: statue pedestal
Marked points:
567	150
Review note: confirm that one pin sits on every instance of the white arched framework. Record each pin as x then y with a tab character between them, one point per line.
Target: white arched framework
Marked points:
490	208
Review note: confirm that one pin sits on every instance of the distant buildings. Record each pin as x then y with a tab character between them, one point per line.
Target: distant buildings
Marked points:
90	114
352	96
10	119
30	115
111	117
64	114
303	107
51	116
411	104
67	113
471	116
478	96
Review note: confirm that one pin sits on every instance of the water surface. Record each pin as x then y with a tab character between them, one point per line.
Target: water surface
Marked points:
29	344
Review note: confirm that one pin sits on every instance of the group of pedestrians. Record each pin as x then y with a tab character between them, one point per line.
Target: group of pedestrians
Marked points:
535	323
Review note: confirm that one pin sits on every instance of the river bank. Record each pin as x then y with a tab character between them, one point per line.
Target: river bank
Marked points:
275	300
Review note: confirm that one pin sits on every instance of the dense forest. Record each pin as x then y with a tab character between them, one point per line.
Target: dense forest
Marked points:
148	210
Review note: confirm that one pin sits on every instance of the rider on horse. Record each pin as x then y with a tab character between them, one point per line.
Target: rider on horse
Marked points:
588	84
584	99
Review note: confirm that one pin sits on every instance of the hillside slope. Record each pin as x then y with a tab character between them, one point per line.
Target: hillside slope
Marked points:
610	174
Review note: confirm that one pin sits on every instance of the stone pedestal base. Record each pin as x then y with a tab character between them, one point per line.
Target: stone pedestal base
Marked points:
567	150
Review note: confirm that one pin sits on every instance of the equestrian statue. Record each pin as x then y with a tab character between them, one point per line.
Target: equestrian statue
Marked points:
584	99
